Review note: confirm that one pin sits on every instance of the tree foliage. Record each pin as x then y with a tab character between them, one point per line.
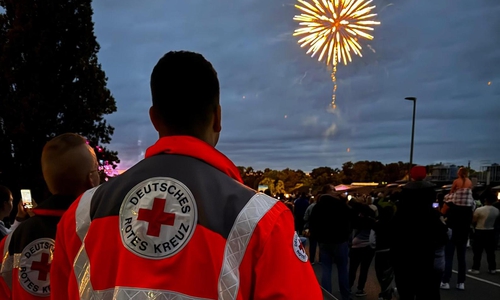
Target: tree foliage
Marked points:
50	83
294	181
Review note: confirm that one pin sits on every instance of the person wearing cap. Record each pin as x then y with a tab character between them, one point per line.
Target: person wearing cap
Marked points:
418	232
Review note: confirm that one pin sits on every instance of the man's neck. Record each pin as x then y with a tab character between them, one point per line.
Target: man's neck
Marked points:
202	138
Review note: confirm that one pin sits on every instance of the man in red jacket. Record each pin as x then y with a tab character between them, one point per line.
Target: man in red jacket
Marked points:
69	168
180	224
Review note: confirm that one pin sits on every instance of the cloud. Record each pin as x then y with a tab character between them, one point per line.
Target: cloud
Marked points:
330	131
442	53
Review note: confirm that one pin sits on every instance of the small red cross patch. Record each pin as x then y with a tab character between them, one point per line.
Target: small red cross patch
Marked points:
301	247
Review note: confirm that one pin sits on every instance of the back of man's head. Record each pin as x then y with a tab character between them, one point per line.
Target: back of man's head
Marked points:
185	91
418	173
328	189
5	194
69	165
490	198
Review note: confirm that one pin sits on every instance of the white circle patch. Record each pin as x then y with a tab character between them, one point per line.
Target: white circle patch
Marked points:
158	217
34	267
298	248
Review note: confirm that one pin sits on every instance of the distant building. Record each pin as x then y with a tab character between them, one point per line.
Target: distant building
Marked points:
490	174
444	172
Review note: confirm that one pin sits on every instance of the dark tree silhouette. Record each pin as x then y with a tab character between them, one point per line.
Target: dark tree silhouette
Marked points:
50	83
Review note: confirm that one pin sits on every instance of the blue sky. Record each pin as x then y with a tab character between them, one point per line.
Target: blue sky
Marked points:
275	97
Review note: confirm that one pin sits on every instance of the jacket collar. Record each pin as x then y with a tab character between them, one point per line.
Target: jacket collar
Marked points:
57	202
196	148
54	206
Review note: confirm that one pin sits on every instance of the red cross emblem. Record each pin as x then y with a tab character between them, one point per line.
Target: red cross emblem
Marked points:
156	217
301	247
42	266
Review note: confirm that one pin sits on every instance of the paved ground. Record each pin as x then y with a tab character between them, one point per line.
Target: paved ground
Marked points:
477	287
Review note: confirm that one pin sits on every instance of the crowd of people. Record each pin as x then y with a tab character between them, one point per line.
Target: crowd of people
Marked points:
412	234
180	224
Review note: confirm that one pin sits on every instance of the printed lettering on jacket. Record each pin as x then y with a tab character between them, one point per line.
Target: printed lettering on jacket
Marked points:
34	267
299	249
158	217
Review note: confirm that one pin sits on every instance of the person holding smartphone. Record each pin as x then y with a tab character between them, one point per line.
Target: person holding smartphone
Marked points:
69	168
5	209
6	206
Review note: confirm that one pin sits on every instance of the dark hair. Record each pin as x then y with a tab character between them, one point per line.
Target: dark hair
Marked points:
327	189
491	198
4	194
185	90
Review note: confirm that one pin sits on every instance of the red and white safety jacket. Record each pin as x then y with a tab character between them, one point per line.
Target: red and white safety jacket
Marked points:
180	225
26	253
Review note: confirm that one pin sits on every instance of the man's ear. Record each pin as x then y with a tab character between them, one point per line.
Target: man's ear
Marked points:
217	123
90	182
154	117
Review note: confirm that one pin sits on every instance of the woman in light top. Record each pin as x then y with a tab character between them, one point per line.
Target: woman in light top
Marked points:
462	182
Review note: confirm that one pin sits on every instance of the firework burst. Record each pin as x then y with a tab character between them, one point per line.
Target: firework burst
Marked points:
332	28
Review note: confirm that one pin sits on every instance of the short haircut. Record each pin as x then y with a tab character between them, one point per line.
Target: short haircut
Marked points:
5	194
328	188
185	90
491	198
67	161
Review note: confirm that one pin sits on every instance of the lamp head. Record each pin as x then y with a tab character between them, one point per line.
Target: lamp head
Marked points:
411	98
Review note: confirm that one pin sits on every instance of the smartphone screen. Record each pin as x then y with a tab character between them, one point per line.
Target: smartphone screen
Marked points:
26	198
435	205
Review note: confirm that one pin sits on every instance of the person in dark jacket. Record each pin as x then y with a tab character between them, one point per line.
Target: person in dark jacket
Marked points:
330	224
362	246
418	232
383	261
300	207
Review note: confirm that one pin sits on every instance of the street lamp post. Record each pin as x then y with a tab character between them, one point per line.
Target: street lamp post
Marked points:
412	132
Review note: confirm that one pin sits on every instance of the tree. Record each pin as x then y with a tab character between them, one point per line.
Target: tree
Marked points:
251	178
50	83
317	172
348	172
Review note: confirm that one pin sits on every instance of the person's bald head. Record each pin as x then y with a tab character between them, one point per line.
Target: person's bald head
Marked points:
69	165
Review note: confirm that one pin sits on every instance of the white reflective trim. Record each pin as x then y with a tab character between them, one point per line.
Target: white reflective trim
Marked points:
120	293
17	260
82	214
81	266
237	243
7	263
6	245
6	270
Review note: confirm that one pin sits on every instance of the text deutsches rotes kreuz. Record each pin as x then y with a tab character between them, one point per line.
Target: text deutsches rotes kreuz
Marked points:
173	241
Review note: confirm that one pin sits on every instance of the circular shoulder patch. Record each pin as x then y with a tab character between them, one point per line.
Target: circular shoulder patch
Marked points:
158	218
34	267
298	248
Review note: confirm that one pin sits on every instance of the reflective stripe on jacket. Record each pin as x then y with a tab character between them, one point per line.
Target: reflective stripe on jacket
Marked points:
131	238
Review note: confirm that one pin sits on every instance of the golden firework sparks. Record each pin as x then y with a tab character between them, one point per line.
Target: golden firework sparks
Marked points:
332	29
